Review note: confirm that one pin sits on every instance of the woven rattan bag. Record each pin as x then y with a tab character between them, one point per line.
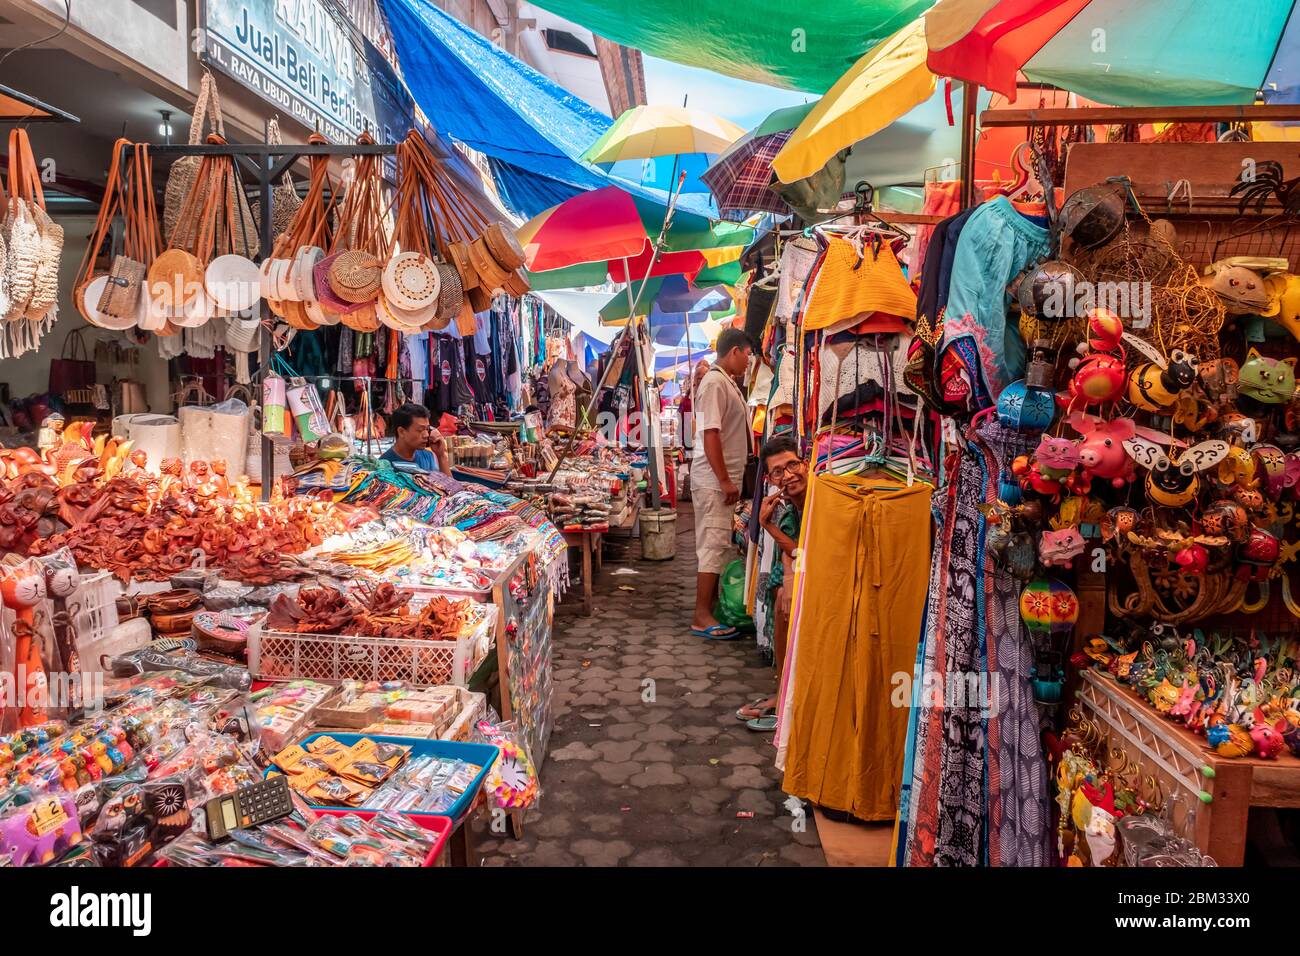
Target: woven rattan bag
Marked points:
25	186
284	197
180	180
126	278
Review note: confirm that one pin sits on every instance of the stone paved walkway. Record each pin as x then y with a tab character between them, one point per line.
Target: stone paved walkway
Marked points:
648	765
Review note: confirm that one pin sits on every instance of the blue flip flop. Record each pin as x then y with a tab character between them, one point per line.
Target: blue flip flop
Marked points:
716	632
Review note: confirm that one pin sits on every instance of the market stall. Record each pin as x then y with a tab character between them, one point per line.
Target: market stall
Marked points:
196	601
1085	380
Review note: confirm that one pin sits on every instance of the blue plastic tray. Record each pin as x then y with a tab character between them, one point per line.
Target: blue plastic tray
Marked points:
485	755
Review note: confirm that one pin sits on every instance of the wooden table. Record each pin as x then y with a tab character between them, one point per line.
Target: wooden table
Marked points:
589	544
1182	759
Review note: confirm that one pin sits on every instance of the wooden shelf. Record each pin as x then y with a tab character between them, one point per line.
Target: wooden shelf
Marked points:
1182	759
1108	115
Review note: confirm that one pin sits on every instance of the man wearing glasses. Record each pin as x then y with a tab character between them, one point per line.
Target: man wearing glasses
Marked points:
780	515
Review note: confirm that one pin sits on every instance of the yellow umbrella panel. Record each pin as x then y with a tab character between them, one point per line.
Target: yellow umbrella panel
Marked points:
644	132
888	81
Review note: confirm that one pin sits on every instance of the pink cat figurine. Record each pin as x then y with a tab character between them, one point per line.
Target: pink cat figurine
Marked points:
1060	548
1056	457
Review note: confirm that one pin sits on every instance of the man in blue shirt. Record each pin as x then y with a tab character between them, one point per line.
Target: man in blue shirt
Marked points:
416	442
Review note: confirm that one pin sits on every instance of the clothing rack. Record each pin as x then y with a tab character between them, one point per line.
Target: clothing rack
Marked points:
268	163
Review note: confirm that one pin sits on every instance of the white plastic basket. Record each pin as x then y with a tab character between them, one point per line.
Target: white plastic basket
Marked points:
281	655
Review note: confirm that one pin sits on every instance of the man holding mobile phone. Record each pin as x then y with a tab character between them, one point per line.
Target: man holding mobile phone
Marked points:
417	442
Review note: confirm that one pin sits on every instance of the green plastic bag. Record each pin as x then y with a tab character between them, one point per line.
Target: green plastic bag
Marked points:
730	609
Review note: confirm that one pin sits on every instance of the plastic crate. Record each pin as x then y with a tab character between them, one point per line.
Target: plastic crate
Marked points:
441	827
282	655
485	755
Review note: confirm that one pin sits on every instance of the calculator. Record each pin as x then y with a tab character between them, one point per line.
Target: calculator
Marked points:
248	806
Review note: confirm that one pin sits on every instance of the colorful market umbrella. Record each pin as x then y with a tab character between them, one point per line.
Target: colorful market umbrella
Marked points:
672	293
884	84
681	331
644	132
801	46
1153	53
610	225
721	267
678	295
660	173
740	177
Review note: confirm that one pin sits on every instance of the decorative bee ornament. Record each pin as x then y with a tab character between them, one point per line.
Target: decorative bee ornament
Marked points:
1174	482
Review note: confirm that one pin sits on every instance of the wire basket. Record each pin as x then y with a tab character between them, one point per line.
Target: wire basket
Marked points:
282	655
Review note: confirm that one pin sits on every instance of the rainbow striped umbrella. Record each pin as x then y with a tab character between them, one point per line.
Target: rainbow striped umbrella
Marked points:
645	132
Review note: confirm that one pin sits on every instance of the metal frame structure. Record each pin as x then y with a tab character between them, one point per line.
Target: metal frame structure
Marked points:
268	163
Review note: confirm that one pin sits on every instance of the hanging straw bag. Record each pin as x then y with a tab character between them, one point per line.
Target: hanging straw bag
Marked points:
22	231
25	184
185	171
284	197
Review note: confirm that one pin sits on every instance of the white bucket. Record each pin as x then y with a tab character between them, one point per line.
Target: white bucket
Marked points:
658	534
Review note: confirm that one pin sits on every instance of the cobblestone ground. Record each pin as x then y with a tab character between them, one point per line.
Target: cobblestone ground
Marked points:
672	781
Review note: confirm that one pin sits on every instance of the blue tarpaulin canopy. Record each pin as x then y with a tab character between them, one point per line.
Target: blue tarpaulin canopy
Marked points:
471	90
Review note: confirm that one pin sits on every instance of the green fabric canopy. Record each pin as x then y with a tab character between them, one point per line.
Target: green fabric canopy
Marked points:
805	46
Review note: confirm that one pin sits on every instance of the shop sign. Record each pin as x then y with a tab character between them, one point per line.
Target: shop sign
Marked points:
312	64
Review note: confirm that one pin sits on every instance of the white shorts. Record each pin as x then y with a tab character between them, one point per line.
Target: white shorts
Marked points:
713	526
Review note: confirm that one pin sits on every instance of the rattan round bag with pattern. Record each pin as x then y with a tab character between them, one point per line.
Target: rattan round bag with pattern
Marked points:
412	281
450	294
356	276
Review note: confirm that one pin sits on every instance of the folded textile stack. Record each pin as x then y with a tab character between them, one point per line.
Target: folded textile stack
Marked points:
580	512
